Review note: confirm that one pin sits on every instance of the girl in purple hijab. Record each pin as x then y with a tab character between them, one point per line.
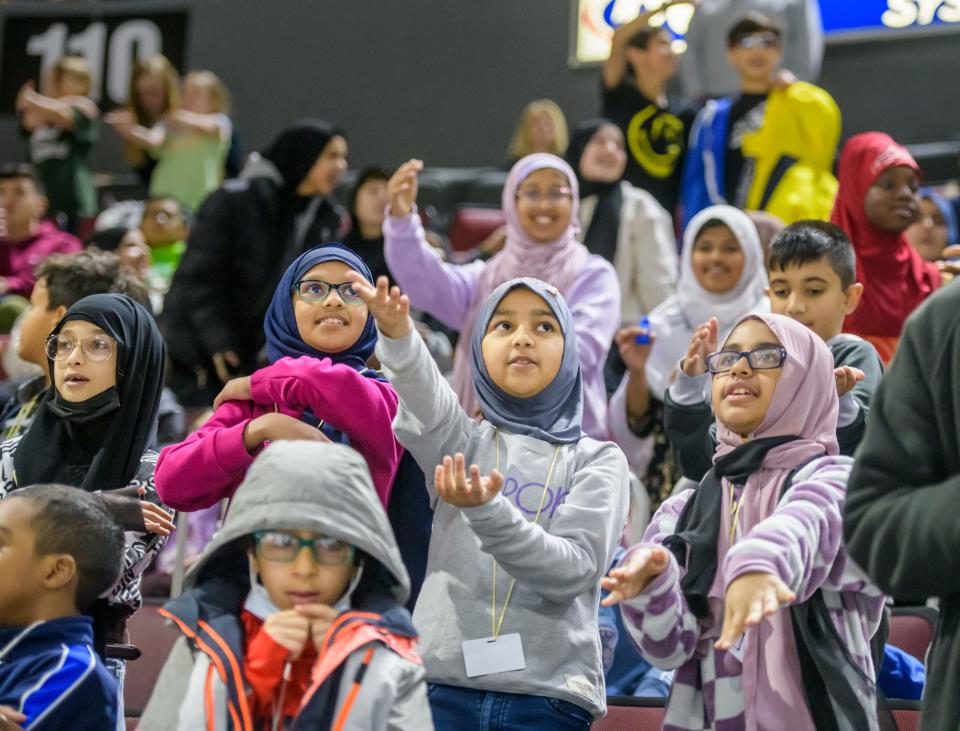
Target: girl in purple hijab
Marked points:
743	585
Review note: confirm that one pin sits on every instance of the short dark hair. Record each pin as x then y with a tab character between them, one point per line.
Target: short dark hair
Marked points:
641	39
372	172
750	24
15	170
72	521
808	241
71	277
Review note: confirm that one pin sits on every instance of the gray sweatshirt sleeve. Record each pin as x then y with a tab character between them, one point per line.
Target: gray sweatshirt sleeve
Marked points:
430	422
569	558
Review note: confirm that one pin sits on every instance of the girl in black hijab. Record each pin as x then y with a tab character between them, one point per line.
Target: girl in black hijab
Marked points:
243	238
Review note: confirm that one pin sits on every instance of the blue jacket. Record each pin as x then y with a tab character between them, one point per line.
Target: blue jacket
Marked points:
50	673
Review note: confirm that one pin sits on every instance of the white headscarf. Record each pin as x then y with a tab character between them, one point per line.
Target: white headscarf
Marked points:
674	321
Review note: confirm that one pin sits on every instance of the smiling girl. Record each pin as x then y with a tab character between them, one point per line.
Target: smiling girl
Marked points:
722	275
540	202
516	556
318	387
743	584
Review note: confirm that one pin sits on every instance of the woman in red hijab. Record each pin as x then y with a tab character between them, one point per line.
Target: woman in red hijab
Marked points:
876	202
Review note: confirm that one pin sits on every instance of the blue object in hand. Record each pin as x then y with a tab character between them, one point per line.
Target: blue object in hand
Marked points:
644	337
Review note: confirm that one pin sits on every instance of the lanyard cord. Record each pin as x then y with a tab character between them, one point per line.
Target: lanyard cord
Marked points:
22	415
496	624
735	506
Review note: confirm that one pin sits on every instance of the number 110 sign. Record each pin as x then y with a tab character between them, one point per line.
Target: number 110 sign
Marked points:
111	45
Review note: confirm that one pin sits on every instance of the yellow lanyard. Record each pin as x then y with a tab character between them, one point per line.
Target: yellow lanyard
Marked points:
22	415
735	506
496	624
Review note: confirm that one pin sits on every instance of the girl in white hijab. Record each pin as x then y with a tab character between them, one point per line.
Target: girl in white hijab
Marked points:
722	275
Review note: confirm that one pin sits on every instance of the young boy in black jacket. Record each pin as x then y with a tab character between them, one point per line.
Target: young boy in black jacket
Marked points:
900	519
59	551
812	272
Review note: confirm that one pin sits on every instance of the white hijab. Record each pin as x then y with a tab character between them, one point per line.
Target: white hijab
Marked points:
674	320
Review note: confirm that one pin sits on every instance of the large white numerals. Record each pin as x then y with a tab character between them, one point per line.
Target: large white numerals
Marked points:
904	13
129	41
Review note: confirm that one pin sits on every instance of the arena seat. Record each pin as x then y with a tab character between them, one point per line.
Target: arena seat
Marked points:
913	629
154	637
471	225
632	714
906	714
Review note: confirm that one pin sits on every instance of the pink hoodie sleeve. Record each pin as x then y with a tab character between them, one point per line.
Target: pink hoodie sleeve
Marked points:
209	464
361	407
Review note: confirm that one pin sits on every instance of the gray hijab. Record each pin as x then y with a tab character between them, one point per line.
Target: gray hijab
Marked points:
554	414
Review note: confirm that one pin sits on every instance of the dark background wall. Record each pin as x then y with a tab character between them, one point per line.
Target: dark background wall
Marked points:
445	80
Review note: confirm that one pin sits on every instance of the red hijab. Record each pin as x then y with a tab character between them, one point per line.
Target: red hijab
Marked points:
895	279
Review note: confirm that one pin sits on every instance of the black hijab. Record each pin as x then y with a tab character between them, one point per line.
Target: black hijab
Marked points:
293	152
601	236
97	444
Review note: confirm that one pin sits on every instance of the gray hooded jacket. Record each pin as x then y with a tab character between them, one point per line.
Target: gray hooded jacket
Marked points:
327	489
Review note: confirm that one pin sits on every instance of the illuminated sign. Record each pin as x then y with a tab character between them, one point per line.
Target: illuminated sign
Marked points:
596	19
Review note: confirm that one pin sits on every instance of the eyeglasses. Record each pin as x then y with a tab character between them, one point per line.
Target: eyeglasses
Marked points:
534	196
284	548
769	356
94	347
316	290
759	40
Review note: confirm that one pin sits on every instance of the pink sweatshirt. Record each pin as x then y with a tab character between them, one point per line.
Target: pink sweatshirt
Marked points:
18	259
210	463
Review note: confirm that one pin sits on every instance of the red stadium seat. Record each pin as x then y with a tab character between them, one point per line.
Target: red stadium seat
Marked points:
470	226
913	629
151	633
632	714
906	714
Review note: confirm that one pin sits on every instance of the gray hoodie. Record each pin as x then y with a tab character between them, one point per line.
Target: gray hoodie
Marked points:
327	489
557	563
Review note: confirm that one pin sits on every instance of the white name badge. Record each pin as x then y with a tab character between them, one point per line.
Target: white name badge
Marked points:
736	649
490	655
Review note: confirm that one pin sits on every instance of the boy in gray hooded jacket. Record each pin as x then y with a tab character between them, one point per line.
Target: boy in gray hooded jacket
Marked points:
276	636
509	603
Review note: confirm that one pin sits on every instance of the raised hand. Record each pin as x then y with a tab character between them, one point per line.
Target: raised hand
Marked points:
454	488
847	377
633	354
236	389
402	188
627	581
289	629
389	307
751	598
705	341
276	427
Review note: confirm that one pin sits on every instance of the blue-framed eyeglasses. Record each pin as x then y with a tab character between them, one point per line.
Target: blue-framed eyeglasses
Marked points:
763	358
316	290
272	545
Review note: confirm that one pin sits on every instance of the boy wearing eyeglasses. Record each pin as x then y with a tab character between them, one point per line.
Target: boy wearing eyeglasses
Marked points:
770	147
293	615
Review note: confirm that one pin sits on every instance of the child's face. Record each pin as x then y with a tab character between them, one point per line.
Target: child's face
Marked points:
891	203
162	222
86	362
197	97
72	85
331	325
929	234
326	171
371	203
523	346
37	324
604	157
24	576
544	205
23	206
742	395
657	61
151	91
717	259
293	575
134	252
756	57
811	294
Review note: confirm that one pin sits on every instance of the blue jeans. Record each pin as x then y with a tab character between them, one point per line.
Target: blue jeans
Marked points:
462	709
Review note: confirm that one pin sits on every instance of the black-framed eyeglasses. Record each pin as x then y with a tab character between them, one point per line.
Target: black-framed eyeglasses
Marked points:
95	347
273	545
763	358
316	290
